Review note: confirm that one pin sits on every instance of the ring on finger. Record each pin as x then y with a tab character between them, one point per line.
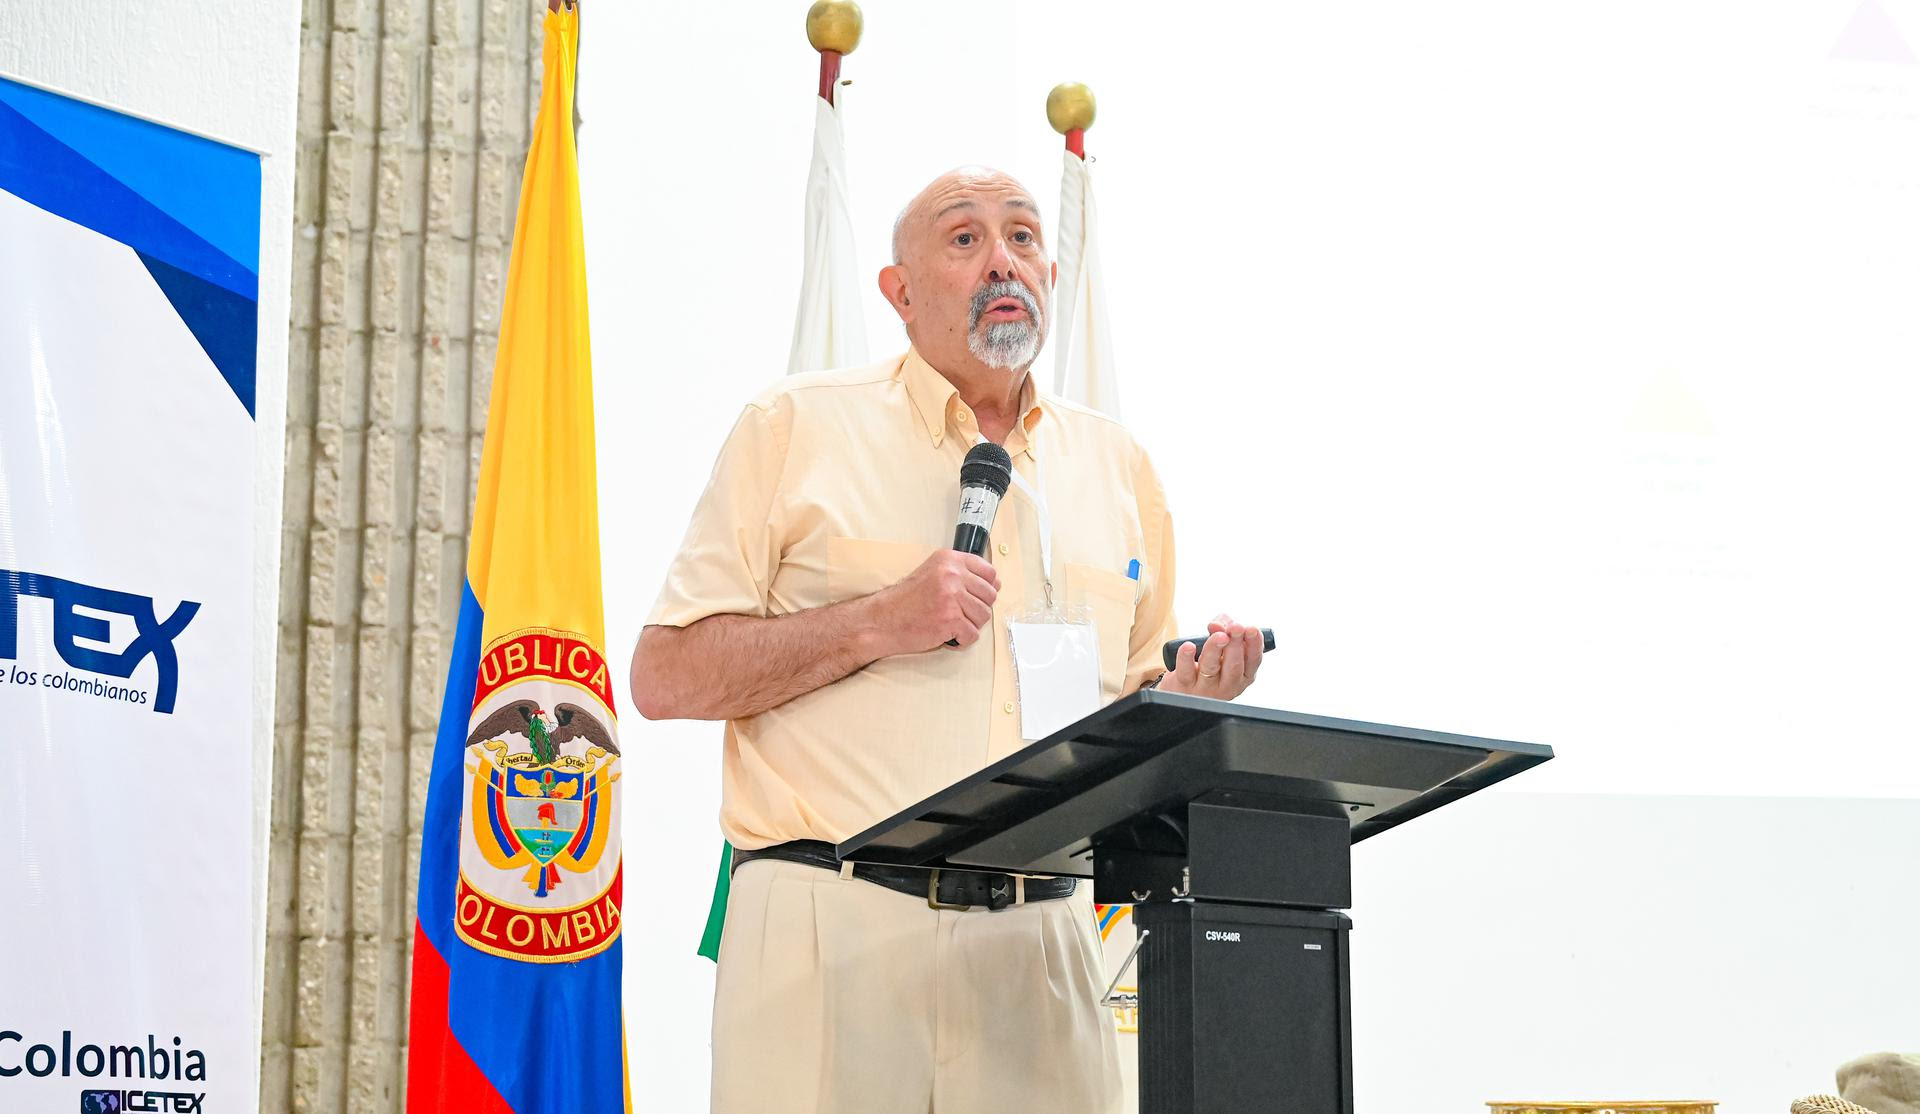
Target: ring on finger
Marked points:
1204	673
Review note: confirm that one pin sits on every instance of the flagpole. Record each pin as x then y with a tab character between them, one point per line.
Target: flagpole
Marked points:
833	27
1070	111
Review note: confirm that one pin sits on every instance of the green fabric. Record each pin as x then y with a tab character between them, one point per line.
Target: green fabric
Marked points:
717	914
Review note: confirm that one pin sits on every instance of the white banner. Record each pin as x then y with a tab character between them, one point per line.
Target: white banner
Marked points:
128	323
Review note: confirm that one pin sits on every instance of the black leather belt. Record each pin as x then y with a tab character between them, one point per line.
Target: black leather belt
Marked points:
943	889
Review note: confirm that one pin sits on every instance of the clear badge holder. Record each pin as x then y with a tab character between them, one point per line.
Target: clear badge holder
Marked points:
1056	663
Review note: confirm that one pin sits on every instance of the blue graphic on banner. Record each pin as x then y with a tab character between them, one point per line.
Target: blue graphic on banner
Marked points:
210	187
188	206
225	324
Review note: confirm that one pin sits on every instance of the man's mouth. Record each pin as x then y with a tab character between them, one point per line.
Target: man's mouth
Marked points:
1005	309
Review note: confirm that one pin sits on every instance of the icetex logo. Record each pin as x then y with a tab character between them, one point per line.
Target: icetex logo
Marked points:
120	1102
153	638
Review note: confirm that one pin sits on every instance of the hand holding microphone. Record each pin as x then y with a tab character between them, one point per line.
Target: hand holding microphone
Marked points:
949	598
946	601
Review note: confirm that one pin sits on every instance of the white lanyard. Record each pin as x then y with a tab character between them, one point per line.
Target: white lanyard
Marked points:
1035	491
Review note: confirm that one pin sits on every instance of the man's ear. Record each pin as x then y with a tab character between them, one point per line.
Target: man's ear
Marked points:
893	287
1054	271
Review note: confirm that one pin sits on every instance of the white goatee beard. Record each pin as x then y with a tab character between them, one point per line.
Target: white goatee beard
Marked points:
1010	345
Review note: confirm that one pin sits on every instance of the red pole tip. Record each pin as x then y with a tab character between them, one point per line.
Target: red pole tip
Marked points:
829	73
1077	142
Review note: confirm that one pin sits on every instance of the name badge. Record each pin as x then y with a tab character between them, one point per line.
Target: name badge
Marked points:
1056	663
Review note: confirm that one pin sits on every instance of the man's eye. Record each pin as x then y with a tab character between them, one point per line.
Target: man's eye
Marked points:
964	239
1023	237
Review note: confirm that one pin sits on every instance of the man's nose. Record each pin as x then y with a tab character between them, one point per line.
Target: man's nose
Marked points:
1000	263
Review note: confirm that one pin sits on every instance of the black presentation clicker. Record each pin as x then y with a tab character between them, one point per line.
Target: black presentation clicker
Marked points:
1229	828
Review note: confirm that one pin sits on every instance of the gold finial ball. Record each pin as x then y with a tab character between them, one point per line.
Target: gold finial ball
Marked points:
834	25
1070	107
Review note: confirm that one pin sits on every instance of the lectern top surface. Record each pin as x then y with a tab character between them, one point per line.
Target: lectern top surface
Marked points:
1138	762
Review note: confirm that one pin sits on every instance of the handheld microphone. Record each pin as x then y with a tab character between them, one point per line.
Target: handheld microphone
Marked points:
983	481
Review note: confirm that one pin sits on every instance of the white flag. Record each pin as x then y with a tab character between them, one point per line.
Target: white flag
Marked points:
1083	368
828	330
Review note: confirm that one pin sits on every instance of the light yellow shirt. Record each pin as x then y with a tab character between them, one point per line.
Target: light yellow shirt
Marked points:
834	485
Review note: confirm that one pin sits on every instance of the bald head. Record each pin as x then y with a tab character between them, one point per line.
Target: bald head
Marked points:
926	204
970	277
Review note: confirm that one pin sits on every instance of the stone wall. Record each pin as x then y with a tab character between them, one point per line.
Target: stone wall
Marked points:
414	118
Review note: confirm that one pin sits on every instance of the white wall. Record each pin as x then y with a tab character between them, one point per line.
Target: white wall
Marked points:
1541	946
227	70
1568	353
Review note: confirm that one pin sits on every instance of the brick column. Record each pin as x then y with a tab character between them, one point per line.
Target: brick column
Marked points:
414	118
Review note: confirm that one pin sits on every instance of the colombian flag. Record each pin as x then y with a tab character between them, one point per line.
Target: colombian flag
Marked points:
516	965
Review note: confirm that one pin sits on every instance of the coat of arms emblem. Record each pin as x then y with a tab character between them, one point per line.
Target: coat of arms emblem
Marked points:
540	846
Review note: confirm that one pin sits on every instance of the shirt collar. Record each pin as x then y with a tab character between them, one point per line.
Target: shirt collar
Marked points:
936	402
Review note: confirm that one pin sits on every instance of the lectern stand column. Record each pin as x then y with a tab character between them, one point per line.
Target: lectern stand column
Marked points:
1244	1003
1243	1008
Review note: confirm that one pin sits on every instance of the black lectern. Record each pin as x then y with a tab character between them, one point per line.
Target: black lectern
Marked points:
1229	829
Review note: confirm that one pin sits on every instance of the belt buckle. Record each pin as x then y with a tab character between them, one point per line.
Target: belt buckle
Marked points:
933	895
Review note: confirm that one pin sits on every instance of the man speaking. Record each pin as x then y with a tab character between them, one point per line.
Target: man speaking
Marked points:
862	664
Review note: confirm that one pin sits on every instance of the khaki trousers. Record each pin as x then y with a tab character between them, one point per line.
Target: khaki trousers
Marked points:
837	996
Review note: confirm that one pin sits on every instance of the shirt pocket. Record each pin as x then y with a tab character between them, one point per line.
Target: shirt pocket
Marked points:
861	566
1108	597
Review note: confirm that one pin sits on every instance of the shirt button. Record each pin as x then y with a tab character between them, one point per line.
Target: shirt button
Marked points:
1007	707
1003	549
